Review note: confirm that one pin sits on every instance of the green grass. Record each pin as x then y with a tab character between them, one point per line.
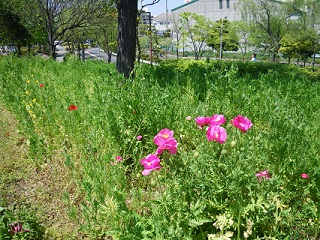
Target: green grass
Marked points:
205	190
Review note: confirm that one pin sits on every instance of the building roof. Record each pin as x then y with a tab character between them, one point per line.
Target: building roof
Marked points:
183	5
163	17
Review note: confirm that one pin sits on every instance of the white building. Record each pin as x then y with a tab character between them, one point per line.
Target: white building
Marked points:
163	22
211	9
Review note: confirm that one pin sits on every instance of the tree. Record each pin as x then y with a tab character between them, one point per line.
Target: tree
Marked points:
104	30
127	25
177	33
145	35
196	28
289	47
308	44
221	32
61	17
269	22
109	34
242	30
127	34
12	30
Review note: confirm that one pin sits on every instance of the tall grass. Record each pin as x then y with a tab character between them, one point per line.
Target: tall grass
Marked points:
205	191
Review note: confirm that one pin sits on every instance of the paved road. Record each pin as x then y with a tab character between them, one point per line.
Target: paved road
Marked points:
90	53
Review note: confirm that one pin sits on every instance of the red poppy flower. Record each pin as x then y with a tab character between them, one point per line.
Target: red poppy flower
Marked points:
72	107
41	85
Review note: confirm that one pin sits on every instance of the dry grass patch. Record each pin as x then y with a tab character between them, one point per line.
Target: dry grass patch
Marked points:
39	189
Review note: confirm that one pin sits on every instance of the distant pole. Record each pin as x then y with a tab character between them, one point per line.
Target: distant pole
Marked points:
150	29
221	29
167	13
167	26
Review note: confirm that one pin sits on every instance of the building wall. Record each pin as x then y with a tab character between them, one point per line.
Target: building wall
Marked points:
162	22
212	9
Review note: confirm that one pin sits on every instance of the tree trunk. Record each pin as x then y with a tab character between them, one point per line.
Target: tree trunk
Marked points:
53	50
127	23
83	54
79	51
109	56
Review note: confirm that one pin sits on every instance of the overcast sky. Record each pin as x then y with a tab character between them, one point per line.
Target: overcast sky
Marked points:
160	7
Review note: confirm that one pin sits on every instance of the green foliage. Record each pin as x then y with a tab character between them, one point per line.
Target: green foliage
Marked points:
246	69
229	38
302	45
12	30
204	191
269	21
196	29
8	216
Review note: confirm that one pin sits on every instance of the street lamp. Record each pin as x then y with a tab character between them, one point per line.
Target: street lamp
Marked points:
221	37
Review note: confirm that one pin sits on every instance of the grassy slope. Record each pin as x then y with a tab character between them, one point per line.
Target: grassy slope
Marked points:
280	110
30	194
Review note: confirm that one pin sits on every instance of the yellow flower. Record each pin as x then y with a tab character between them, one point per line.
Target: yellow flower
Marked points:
37	81
34	100
27	92
28	81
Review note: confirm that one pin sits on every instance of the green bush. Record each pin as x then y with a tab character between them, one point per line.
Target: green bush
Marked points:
245	68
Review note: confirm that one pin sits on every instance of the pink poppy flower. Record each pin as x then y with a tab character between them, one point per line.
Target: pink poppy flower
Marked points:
139	137
217	119
170	145
72	108
163	136
304	175
202	121
151	162
263	174
242	123
41	85
216	133
16	227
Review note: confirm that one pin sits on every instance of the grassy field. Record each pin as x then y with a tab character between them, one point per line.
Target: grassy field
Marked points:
77	142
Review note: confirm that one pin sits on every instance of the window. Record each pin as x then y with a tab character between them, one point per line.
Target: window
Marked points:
228	4
220	4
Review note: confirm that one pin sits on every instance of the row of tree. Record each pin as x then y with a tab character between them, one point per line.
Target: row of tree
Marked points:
288	28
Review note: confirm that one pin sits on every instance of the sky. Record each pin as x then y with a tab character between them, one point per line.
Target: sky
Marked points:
160	7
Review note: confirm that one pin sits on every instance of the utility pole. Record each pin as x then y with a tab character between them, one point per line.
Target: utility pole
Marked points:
167	13
221	29
150	30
